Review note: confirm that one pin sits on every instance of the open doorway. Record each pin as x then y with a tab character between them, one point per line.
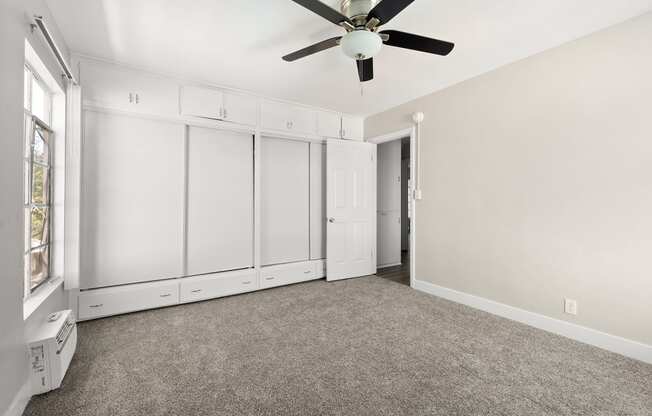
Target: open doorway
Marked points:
393	210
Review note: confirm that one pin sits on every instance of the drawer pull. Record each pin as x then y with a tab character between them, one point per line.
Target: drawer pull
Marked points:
307	272
247	282
269	278
167	295
99	305
196	290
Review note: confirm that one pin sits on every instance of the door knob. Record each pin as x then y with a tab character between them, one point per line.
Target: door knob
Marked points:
331	220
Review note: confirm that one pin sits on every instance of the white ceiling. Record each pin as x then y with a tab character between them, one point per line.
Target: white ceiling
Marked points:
239	43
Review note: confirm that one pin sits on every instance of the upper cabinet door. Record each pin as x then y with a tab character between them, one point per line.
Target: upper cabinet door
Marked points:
240	109
202	102
329	125
284	117
352	128
116	88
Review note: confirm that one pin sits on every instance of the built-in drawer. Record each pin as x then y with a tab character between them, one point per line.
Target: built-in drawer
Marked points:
216	285
285	274
129	298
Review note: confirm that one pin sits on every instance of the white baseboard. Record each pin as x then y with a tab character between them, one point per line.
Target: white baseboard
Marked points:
619	345
18	405
384	266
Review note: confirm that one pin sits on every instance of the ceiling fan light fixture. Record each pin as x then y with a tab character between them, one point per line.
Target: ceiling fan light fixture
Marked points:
361	44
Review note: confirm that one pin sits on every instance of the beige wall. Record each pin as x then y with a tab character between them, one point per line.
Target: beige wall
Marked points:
537	182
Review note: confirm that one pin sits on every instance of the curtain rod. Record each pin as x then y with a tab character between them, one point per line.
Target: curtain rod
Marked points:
55	49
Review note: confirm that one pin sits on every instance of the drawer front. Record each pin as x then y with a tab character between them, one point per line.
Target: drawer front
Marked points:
286	274
114	301
216	285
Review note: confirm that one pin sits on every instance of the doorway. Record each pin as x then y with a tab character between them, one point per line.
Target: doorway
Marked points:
394	210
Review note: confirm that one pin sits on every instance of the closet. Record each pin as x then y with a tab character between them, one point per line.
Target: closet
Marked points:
194	192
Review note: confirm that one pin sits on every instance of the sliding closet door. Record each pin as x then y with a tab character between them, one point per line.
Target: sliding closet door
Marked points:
285	197
317	201
132	200
220	200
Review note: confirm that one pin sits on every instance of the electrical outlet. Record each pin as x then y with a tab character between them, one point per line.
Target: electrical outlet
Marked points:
570	306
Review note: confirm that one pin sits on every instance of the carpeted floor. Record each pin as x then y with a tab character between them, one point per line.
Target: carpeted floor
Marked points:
365	346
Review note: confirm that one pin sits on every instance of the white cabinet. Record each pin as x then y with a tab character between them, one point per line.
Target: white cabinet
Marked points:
285	274
284	117
240	108
216	285
123	299
285	196
218	105
132	200
317	201
329	125
352	128
220	201
117	88
201	102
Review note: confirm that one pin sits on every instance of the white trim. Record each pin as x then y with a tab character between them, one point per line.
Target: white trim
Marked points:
18	405
613	343
385	266
412	134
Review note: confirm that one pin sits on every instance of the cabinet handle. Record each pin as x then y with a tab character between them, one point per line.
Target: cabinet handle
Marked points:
167	295
247	282
307	272
289	125
131	97
196	290
137	99
221	112
99	305
269	278
225	113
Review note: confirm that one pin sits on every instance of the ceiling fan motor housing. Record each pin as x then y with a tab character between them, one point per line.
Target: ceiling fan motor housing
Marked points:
357	10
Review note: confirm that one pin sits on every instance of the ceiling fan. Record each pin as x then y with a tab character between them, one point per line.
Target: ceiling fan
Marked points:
361	19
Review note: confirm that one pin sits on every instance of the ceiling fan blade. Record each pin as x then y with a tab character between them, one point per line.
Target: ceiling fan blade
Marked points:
366	69
324	11
386	10
417	43
312	49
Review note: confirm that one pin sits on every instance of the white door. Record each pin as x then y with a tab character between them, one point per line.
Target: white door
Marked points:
220	207
351	209
285	201
389	204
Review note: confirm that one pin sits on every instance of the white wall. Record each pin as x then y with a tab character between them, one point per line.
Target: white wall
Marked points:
14	28
537	182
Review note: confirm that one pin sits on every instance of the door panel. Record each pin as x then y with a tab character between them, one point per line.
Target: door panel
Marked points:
285	201
132	199
201	102
351	209
317	201
220	200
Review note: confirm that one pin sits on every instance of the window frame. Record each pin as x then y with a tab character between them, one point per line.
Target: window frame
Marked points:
32	124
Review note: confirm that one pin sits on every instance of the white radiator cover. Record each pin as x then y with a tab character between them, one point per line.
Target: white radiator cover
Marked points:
51	351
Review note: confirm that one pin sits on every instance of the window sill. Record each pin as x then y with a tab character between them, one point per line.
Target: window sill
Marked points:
40	295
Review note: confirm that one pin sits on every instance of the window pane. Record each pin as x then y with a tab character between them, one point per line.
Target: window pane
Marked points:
40	184
40	260
40	226
39	102
28	136
26	91
40	146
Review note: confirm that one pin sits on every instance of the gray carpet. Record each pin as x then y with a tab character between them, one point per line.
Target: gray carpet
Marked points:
365	346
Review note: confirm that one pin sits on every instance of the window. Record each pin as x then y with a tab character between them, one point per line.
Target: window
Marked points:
37	181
